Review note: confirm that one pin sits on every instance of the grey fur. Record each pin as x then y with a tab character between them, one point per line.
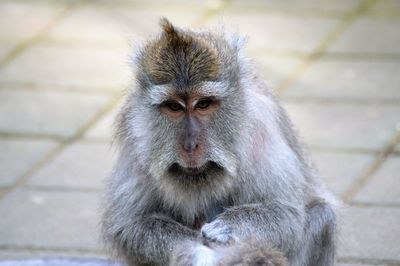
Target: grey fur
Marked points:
265	189
241	253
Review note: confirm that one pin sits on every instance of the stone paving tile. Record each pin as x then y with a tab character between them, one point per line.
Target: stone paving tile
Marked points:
313	6
369	35
327	79
385	8
383	186
154	4
22	20
46	112
275	68
81	165
370	233
5	48
29	254
344	125
103	130
19	155
91	25
280	33
51	219
75	67
145	20
340	169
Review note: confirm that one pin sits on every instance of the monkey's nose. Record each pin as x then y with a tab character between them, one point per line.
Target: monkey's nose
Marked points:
190	146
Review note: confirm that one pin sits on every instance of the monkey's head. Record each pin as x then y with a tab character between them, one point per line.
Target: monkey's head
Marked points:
187	107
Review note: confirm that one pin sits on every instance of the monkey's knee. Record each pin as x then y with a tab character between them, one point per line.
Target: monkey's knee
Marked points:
242	253
252	254
321	217
321	227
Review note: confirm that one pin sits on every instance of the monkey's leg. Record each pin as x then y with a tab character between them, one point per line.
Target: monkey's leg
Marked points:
149	240
321	223
277	224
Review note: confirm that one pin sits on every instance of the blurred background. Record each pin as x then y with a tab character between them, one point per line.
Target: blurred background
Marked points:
64	65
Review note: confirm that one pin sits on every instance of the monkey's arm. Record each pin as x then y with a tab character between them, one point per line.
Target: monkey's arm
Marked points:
277	224
297	234
150	239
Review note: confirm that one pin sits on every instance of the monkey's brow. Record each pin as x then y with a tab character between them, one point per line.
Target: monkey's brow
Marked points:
161	93
218	89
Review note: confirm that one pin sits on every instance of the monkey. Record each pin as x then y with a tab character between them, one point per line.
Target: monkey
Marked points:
208	158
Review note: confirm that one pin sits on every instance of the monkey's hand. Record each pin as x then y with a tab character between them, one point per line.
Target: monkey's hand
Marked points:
217	232
193	253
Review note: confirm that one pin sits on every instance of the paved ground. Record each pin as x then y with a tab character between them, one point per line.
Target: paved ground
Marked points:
63	65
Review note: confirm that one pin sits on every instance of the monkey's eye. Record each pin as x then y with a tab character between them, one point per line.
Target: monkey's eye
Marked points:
173	106
203	104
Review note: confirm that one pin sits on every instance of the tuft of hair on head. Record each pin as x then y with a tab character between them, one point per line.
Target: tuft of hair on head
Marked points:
167	27
172	34
180	56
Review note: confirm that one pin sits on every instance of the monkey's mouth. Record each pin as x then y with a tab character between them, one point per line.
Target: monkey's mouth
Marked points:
195	173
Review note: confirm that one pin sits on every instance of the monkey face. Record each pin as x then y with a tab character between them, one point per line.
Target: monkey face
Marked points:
193	143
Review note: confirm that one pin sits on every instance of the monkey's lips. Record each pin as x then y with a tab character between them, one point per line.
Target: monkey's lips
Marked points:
194	172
